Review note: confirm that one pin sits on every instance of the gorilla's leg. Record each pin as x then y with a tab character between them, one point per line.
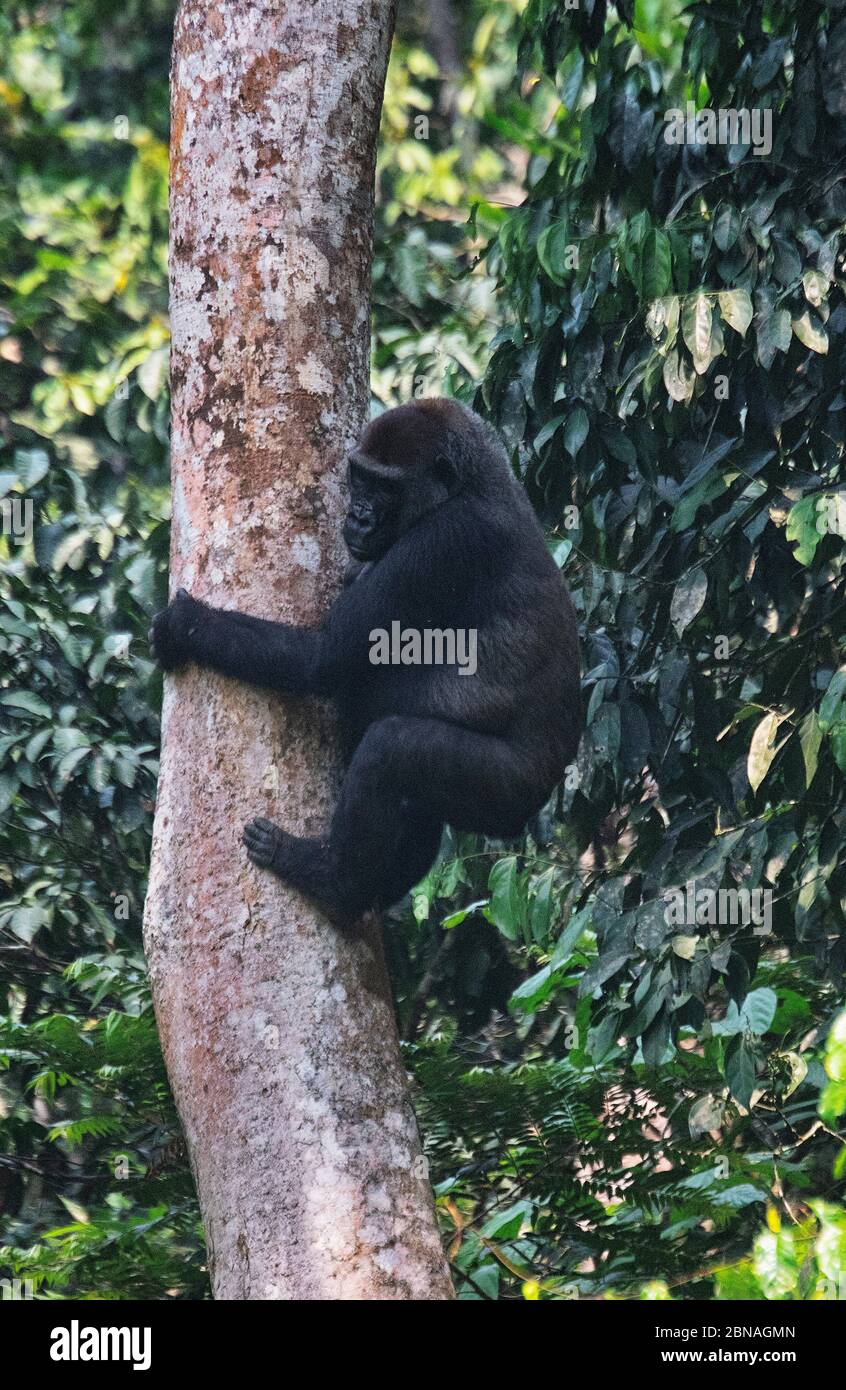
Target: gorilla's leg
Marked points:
407	778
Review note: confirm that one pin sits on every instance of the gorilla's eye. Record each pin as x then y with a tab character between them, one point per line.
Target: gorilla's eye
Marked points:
376	491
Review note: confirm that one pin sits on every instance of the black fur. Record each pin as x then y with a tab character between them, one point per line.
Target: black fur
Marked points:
443	537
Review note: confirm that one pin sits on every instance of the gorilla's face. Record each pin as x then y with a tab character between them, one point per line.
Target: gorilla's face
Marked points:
397	475
372	516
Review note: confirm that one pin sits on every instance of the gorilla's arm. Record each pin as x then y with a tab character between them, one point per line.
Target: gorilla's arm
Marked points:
457	551
274	655
277	656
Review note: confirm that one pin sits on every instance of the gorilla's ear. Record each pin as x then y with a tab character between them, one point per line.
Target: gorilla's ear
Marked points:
445	472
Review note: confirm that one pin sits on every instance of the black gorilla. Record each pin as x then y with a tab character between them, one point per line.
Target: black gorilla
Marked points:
444	539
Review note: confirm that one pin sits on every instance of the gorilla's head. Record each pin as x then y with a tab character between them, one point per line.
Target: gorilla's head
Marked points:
411	460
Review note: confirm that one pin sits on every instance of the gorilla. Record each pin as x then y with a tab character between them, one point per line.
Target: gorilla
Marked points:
448	558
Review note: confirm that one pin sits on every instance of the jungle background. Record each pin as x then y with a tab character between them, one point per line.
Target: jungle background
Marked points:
613	1106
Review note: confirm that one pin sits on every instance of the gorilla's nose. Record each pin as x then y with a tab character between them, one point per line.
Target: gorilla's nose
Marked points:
357	528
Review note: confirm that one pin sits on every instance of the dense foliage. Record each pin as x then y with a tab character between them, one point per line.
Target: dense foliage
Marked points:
670	382
614	1102
88	1130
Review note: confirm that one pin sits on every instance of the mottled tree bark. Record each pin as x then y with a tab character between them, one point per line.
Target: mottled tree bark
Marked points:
278	1032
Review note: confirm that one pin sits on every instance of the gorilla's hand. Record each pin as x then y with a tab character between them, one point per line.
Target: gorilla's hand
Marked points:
172	630
265	842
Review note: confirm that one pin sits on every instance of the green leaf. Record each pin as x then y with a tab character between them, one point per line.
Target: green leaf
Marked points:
697	315
529	995
776	1264
152	374
409	263
688	598
705	1114
755	1016
809	330
555	251
25	922
69	762
802	526
679	378
810	738
549	429
576	431
36	745
456	918
32	465
726	226
27	701
684	946
740	1070
8	791
742	1194
540	906
656	264
507	1225
566	943
663	316
656	1039
798	1071
838	745
736	309
835	1049
758	1010
506	906
763	748
815	285
831	707
772	335
71	550
832	1102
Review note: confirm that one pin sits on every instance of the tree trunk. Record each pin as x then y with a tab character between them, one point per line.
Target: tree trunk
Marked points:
278	1032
